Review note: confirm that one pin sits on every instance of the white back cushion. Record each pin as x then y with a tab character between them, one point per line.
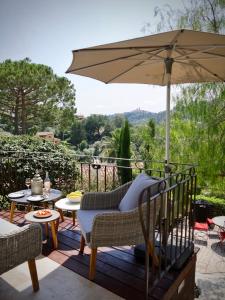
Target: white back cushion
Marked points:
130	200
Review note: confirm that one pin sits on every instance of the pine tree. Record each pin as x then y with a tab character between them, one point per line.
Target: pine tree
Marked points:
125	172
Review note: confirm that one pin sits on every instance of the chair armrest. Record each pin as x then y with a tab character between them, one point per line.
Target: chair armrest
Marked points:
104	200
20	245
116	229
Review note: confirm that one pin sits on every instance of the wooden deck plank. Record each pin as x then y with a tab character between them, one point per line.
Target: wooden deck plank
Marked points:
110	256
105	264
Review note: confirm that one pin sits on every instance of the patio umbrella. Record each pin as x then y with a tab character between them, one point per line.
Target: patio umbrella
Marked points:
175	57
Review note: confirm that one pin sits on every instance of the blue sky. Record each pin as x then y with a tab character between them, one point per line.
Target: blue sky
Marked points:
47	31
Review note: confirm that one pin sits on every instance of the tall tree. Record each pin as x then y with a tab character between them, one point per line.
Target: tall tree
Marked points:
96	127
124	152
118	120
32	95
199	123
110	144
202	15
78	132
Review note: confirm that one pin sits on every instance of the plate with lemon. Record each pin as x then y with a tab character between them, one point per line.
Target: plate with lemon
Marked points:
74	196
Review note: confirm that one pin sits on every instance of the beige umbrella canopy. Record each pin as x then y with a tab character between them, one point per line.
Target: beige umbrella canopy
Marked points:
179	56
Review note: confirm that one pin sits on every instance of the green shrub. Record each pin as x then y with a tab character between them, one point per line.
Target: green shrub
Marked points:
21	156
125	173
218	204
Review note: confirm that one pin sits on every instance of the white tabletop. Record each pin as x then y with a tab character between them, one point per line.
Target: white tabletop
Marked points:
30	217
66	204
219	221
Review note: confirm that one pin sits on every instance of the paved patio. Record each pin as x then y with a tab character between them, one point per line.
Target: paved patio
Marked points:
210	268
56	282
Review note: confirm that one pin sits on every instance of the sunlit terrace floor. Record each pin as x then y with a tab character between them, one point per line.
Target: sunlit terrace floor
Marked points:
117	269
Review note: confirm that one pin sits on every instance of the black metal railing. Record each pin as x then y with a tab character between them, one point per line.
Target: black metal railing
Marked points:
88	173
172	238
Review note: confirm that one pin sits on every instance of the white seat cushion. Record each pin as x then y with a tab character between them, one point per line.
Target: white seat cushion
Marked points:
85	219
141	182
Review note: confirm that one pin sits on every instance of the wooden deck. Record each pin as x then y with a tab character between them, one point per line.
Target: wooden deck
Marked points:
116	269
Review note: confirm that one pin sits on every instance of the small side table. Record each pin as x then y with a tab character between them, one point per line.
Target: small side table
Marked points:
66	204
54	217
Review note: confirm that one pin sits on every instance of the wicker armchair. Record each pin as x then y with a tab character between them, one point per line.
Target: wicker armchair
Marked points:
20	244
103	223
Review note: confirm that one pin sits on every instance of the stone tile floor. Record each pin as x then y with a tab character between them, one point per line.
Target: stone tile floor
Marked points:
56	283
210	268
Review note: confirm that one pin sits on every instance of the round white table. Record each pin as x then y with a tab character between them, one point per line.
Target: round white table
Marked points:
66	204
219	221
54	217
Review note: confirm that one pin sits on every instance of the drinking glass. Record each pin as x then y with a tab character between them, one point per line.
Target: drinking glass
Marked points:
28	183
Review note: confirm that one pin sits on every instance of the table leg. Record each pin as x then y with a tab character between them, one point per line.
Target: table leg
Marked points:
61	214
73	215
57	225
54	235
12	209
29	206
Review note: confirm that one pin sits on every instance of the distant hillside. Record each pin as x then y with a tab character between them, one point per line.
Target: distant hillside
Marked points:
138	116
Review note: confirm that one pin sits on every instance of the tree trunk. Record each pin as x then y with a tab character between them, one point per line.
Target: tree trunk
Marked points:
16	117
23	114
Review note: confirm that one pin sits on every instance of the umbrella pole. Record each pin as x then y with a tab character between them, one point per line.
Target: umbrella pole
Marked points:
165	226
168	66
167	155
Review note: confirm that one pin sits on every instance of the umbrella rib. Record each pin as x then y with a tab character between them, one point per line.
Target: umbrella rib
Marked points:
127	70
200	51
201	46
198	58
194	64
188	64
206	69
153	55
124	72
190	61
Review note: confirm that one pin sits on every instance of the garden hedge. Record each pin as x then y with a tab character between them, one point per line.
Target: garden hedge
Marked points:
21	156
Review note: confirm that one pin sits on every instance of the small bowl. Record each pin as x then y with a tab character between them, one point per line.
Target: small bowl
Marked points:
75	200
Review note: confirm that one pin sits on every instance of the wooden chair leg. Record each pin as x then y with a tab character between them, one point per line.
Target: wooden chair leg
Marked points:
12	209
92	264
82	244
54	235
33	274
155	259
